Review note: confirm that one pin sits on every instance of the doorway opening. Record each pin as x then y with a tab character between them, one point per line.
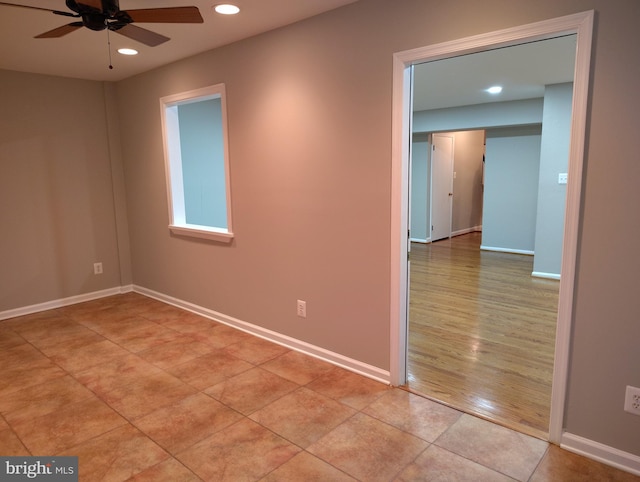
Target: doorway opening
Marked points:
481	328
580	24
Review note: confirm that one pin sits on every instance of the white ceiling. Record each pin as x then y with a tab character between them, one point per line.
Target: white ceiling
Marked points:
85	53
522	71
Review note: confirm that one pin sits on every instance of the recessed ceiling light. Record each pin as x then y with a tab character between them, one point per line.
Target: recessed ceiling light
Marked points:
226	9
128	51
496	89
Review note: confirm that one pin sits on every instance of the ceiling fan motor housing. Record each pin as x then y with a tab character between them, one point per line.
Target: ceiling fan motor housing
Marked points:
99	18
94	21
110	7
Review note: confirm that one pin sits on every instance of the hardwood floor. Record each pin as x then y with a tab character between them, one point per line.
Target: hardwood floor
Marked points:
482	332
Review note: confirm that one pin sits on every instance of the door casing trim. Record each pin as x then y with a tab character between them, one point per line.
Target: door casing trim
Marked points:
580	24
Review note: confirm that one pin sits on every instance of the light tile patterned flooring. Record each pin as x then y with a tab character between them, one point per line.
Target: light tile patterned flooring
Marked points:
141	390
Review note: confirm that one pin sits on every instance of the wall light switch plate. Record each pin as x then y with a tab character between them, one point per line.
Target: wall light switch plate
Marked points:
562	178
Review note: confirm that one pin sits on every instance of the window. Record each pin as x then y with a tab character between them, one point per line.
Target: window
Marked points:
194	126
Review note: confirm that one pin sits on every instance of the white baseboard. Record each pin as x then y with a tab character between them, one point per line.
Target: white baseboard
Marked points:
71	300
602	453
420	241
474	229
460	232
506	250
540	274
289	342
126	289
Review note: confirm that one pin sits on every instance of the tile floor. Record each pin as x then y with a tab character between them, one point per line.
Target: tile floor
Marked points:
144	391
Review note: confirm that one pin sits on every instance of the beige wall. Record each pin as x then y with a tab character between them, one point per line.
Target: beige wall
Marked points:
310	146
468	149
56	197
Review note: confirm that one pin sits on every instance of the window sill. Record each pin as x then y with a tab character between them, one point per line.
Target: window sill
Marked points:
202	232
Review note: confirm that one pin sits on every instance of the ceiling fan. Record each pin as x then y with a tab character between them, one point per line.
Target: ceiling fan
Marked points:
106	15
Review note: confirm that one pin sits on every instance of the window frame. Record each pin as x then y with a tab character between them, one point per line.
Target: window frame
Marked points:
173	163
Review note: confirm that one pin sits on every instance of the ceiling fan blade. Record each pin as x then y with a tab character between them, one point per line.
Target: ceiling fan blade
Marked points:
61	31
142	35
166	15
57	12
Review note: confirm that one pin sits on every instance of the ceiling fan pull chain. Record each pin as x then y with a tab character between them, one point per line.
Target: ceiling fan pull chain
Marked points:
109	47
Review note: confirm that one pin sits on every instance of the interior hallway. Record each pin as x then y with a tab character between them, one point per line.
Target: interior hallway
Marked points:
482	332
141	390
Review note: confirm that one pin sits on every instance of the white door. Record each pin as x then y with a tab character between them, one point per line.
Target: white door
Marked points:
441	186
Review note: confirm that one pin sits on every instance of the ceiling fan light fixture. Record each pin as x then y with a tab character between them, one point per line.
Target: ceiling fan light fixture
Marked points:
127	51
226	9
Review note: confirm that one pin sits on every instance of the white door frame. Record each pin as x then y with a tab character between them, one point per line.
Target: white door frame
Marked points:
580	24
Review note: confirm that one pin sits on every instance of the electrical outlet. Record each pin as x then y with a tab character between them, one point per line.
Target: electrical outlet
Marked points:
632	400
97	268
302	309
